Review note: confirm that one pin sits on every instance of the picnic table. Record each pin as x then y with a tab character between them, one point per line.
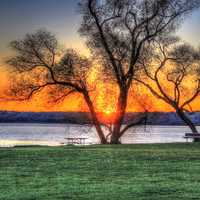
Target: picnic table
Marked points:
76	140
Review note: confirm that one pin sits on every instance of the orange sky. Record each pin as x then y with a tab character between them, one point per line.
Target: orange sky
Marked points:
75	102
104	98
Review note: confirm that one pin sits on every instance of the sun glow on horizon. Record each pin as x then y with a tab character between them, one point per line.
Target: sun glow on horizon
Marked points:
108	112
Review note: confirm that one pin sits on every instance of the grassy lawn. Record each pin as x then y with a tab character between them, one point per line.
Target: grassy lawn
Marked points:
135	172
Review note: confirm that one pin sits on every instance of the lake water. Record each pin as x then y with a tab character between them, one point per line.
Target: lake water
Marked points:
13	134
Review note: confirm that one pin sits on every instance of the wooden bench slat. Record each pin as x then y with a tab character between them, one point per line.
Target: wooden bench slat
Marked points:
192	136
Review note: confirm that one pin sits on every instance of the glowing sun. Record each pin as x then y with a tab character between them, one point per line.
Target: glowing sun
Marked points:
108	111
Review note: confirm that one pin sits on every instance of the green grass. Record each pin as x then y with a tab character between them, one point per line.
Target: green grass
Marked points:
135	172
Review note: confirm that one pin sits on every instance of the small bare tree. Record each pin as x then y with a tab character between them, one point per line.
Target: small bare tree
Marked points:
171	73
39	64
117	32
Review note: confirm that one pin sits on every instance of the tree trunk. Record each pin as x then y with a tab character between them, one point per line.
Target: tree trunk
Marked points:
95	120
188	122
120	113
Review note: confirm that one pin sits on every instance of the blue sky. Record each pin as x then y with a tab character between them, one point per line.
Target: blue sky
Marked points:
18	17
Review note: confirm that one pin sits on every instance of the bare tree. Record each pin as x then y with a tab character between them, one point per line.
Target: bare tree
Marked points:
117	32
171	73
39	64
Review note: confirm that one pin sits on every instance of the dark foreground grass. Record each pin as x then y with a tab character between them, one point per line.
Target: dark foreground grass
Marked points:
135	172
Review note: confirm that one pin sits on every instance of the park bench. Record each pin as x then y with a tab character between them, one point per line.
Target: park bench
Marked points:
75	140
192	136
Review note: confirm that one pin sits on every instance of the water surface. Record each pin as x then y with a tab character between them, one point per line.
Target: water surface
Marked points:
12	134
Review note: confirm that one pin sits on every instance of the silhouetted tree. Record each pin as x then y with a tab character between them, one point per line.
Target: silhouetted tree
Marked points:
117	32
40	64
171	73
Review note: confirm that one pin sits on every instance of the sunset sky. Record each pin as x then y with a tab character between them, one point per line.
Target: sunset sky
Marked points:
17	17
